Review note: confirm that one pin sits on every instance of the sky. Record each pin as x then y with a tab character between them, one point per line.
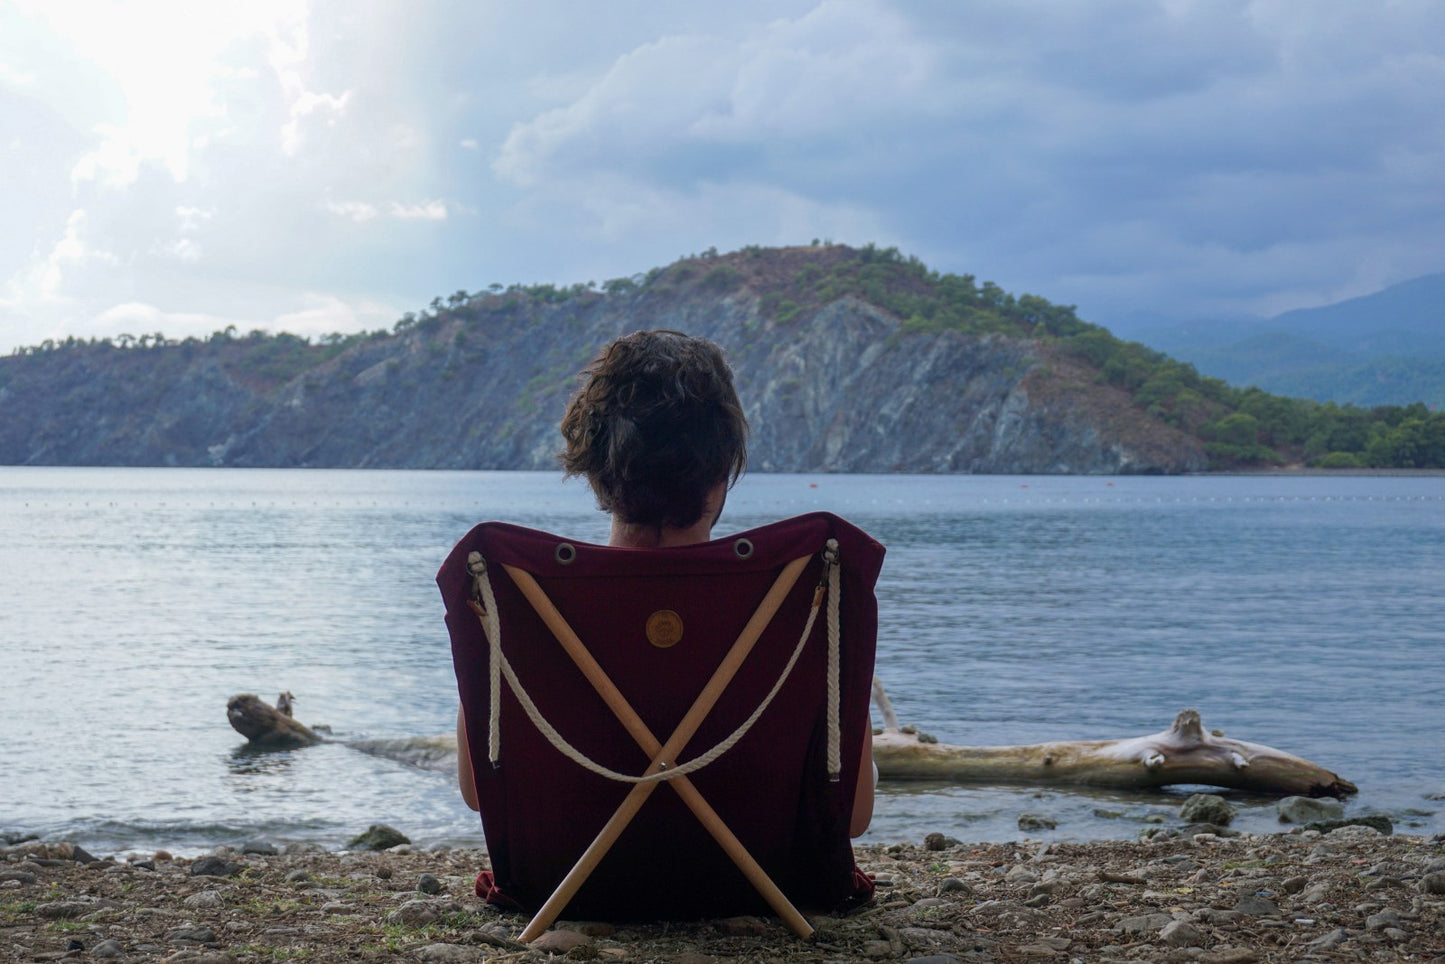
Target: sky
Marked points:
320	167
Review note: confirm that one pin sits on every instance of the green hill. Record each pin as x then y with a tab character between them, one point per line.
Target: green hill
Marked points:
849	360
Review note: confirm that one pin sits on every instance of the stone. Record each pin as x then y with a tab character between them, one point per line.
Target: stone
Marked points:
1181	933
263	848
378	837
428	884
952	885
1308	809
560	941
415	913
1351	826
297	876
935	959
1293	885
19	876
1145	923
876	950
191	934
446	953
1330	941
108	948
1385	918
1207	808
922	937
205	899
1433	883
80	855
1256	906
938	841
63	909
1035	821
213	866
292	849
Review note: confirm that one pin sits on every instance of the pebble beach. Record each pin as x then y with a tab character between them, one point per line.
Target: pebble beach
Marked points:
1350	894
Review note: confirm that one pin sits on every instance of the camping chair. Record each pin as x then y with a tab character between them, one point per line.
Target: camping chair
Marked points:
736	671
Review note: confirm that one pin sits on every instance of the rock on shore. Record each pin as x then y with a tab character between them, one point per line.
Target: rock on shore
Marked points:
1345	895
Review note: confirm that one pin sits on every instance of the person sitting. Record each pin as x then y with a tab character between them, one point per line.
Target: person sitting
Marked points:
659	434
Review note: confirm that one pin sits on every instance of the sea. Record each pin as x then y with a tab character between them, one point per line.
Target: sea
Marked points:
1304	612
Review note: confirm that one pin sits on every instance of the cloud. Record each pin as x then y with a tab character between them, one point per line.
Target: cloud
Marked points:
678	98
1161	156
425	211
137	317
361	211
322	314
43	279
1073	150
353	210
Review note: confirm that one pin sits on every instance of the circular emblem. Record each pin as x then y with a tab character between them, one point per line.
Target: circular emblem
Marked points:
664	628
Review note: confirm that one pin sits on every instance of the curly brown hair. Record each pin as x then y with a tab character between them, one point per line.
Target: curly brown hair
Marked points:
655	427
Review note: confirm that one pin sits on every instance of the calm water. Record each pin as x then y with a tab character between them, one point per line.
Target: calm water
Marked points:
1301	612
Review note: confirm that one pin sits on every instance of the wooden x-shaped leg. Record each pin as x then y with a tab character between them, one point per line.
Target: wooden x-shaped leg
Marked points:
663	754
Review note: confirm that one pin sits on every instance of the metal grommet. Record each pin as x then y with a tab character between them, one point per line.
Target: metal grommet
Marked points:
566	553
743	548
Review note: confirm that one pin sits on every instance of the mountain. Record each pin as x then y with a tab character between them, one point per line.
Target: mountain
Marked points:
847	360
1387	348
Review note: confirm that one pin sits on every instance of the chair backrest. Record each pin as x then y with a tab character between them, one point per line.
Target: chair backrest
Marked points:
659	622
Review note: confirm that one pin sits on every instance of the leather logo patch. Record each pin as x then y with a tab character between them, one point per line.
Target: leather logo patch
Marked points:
664	628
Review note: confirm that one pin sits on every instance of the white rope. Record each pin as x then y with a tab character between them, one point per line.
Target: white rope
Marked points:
835	733
499	662
492	624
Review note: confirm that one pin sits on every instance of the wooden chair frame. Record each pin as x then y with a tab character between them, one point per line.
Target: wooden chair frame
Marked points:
662	754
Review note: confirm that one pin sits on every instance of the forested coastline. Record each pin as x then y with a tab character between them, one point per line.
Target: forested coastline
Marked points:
996	361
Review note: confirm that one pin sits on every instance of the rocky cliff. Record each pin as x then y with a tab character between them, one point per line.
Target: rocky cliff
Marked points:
839	384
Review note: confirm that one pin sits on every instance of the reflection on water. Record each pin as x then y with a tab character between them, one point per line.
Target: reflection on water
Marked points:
249	759
1301	612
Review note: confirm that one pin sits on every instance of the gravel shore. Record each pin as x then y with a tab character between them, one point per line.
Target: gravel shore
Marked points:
1351	894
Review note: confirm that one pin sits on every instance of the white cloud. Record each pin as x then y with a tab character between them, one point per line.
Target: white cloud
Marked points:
134	318
1157	154
184	249
425	211
42	280
322	314
839	66
353	210
192	218
361	211
289	49
311	314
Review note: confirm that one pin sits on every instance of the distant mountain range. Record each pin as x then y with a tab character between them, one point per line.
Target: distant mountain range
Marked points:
1387	348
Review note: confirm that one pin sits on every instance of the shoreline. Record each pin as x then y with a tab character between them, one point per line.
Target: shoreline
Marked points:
1302	895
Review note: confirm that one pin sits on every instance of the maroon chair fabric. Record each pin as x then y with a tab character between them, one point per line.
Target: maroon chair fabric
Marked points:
540	810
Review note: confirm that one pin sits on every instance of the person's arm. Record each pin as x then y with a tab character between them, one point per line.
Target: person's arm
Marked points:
465	779
867	781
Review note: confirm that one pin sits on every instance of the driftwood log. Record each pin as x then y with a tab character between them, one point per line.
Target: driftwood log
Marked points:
1185	753
1182	754
265	726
